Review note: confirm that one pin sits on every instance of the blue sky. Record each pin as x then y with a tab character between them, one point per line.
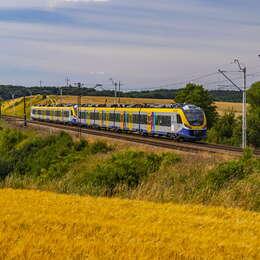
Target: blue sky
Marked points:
144	43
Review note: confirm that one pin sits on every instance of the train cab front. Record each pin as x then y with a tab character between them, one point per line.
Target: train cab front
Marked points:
195	123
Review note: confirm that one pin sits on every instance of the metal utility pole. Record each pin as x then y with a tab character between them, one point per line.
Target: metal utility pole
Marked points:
79	85
67	80
0	109
119	89
13	96
119	86
115	83
24	112
61	95
244	108
40	83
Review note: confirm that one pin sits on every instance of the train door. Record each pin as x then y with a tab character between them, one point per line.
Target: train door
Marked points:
149	122
173	123
130	121
126	121
107	119
122	120
103	119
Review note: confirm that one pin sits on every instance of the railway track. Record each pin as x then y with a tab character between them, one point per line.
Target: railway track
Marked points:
153	141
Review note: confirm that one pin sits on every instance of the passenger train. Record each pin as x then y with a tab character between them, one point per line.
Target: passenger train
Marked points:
176	121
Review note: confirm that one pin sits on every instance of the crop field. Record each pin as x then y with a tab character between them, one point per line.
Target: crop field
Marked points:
16	106
43	225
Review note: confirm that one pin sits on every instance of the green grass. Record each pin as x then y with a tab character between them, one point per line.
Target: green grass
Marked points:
58	163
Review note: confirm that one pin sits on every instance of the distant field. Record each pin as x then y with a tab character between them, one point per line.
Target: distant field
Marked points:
16	106
222	107
42	225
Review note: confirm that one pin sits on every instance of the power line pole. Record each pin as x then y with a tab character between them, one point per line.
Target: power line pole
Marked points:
119	89
67	80
24	112
61	95
0	109
79	85
243	90
116	84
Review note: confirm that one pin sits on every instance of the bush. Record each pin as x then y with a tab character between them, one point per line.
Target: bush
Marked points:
127	168
231	171
100	147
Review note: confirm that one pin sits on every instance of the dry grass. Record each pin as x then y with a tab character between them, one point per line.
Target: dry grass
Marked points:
42	225
223	107
9	109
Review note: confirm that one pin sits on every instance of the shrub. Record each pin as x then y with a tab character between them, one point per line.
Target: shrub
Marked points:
81	145
127	168
100	147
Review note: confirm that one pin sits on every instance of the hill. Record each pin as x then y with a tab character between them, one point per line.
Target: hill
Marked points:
39	225
57	162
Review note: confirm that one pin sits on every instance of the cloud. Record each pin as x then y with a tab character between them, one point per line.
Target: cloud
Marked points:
55	3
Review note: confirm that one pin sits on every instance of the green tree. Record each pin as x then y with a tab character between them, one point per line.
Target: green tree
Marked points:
253	123
197	95
226	130
253	119
253	95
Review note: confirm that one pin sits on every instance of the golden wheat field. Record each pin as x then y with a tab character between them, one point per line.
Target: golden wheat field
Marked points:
222	107
43	225
16	106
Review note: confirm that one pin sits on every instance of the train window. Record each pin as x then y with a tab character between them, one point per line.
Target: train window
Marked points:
104	116
34	112
47	113
39	112
112	117
82	115
65	113
135	118
117	117
97	116
126	118
163	120
143	119
92	115
179	120
130	118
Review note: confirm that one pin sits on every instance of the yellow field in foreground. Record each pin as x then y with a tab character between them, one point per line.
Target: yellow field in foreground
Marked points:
46	225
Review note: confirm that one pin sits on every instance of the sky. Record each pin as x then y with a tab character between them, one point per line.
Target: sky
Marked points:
145	44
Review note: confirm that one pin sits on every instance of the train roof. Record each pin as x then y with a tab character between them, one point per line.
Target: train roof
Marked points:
147	105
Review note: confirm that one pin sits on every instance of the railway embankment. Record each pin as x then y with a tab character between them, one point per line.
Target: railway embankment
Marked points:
58	163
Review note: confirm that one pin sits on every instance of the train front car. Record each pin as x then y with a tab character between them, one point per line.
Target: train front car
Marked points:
194	123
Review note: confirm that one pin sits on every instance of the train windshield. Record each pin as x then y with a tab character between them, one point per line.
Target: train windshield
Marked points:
194	115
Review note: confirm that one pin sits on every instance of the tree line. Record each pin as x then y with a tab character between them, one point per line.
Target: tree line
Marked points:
10	91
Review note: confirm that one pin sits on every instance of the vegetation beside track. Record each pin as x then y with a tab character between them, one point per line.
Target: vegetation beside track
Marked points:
44	225
57	163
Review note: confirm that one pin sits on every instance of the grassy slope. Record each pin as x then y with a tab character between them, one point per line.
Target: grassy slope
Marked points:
57	163
8	105
46	225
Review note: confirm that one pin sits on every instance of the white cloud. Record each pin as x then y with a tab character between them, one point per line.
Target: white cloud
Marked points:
55	3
